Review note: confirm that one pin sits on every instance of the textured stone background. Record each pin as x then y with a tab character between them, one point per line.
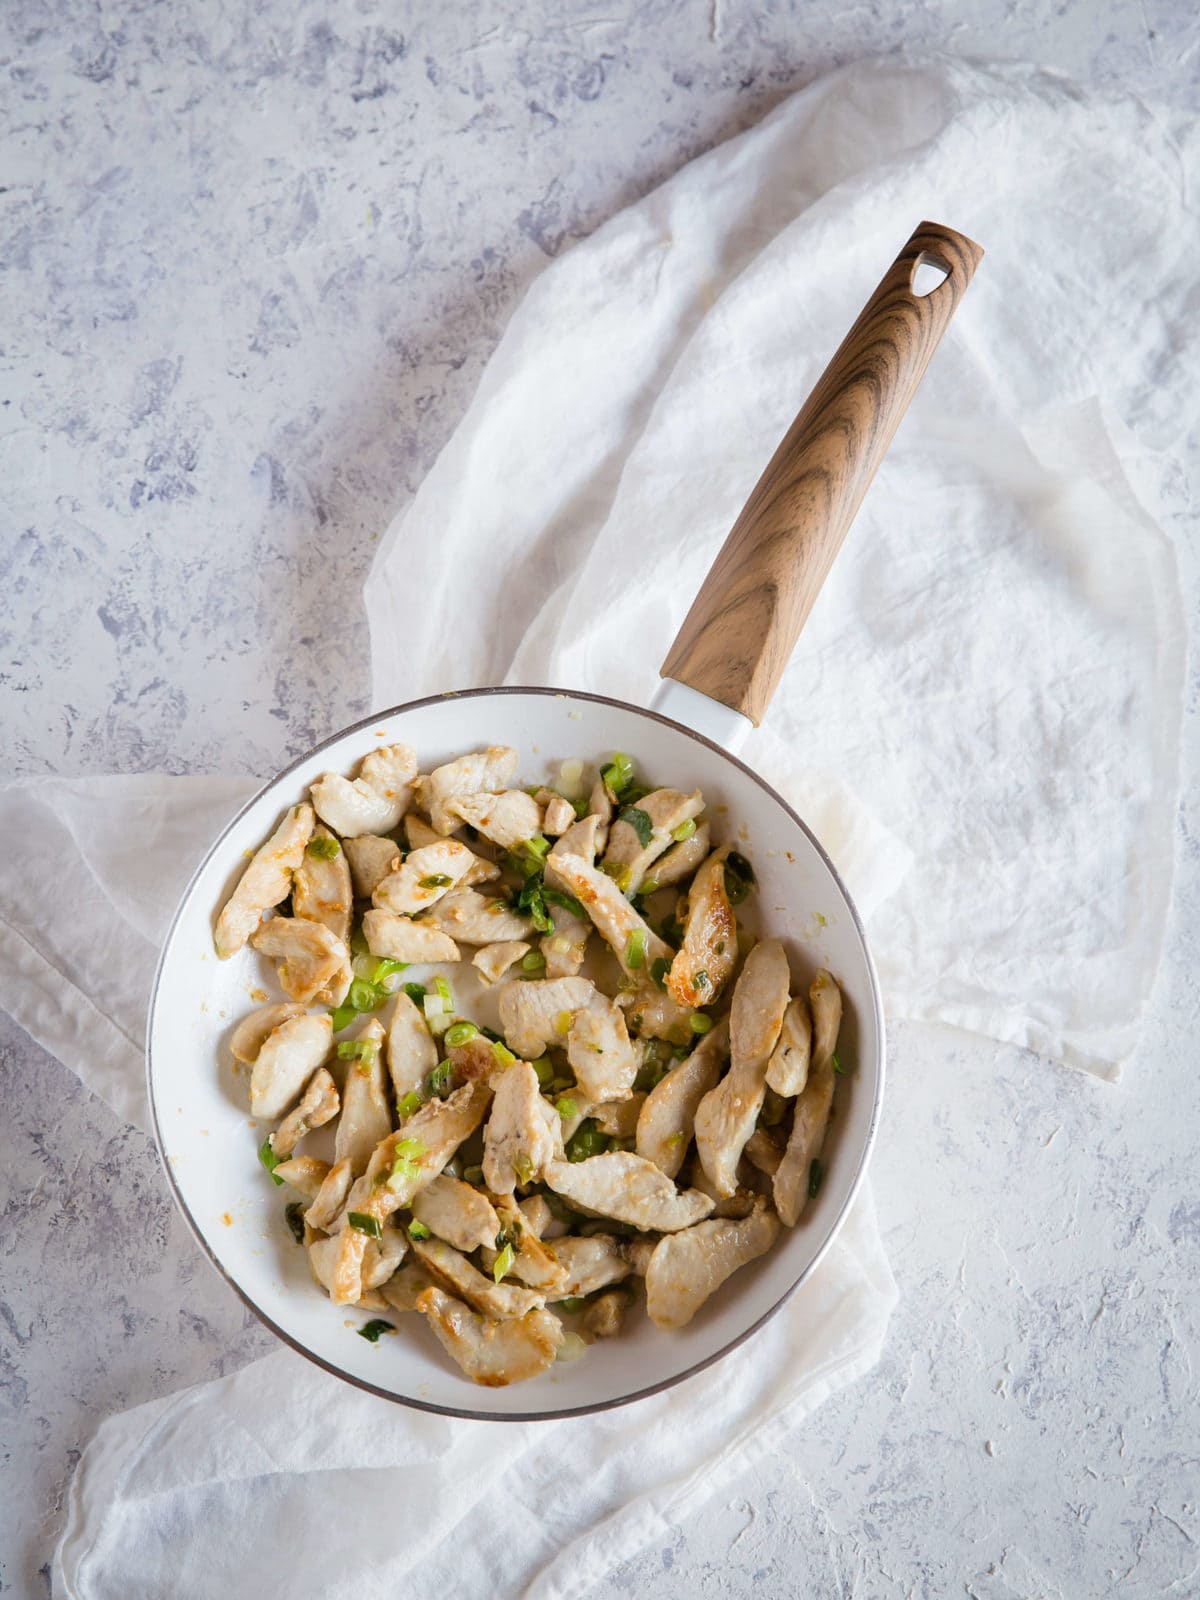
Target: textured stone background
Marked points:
253	265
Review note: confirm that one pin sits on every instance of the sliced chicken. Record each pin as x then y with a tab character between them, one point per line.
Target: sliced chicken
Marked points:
494	960
628	1189
682	859
382	1256
404	1288
474	918
608	908
639	1251
371	859
473	1061
425	876
366	1116
725	1118
253	1031
305	1174
605	1317
404	1162
419	833
558	817
619	1118
308	957
709	951
491	1353
656	1014
457	1213
579	840
446	1266
375	801
739	1204
539	1218
602	1057
565	948
635	843
825	999
517	1142
667	1119
321	890
787	1070
688	1267
508	820
592	1263
401	939
811	1117
600	806
764	1152
331	1197
532	1013
535	1263
412	1053
266	881
483	772
318	1105
286	1061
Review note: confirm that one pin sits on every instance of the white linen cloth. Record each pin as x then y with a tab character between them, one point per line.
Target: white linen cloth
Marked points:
994	669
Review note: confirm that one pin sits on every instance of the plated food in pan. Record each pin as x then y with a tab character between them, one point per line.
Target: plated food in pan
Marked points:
529	1068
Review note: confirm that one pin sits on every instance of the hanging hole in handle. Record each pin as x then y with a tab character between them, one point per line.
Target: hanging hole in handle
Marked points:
928	274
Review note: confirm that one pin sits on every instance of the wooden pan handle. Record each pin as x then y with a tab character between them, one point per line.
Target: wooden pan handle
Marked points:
743	625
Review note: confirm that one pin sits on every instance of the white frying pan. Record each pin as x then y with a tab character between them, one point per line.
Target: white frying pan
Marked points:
718	681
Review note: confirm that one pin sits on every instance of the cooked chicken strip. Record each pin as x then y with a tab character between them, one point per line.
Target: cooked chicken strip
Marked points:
474	1061
564	949
382	1256
266	881
530	1012
539	1218
308	957
305	1174
602	1058
457	1213
321	890
475	918
579	840
811	1117
763	1152
318	1105
667	1120
640	1251
491	1353
608	909
726	1116
688	1267
681	860
366	1117
619	1118
412	1053
558	817
655	1014
401	939
371	859
627	859
787	1070
402	1291
503	1301
253	1031
426	876
483	772
628	1189
507	819
494	960
375	801
709	950
287	1060
605	1317
600	804
331	1197
517	1143
825	998
419	833
535	1264
739	1204
592	1263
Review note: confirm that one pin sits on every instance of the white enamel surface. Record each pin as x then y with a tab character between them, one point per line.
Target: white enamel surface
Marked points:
209	1142
708	717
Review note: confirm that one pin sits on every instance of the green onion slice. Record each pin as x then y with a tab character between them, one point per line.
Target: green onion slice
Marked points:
416	992
523	1167
269	1159
568	902
815	1174
837	1065
640	822
365	1224
739	877
699	1023
685	830
618	773
364	996
659	970
635	950
460	1033
439	1078
295	1220
418	1230
503	1262
504	1056
573	1302
324	847
533	961
436	880
370	1331
343	1017
472	1174
567	1107
544	1069
358	1049
412	1102
443	988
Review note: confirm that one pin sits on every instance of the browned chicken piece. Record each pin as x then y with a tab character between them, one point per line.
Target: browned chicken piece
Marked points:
382	1256
508	819
494	960
370	859
619	1118
398	938
517	1142
252	1032
578	840
457	1213
308	958
266	881
366	1116
474	918
287	1060
630	853
403	1289
605	1317
639	1251
318	1105
608	908
482	772
424	877
825	999
626	1188
453	1271
474	1061
419	833
739	1204
305	1174
535	1263
688	1267
667	1119
539	1219
375	801
709	951
725	1118
565	948
682	859
787	1070
602	1057
656	1014
321	890
412	1053
811	1117
537	1013
764	1151
558	817
491	1353
592	1263
600	806
330	1199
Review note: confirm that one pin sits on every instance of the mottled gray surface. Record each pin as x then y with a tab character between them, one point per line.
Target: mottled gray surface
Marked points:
253	267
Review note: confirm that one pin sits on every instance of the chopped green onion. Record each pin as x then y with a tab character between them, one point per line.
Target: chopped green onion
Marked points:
370	1331
537	847
659	970
269	1159
418	1230
358	1050
544	1069
570	1347
416	992
435	880
638	792
412	1102
837	1065
443	988
472	1174
620	874
503	1262
343	1017
580	807
617	773
295	1220
533	961
358	941
739	877
562	1022
640	822
364	996
384	970
460	1033
573	1302
587	1140
406	1165
815	1173
324	847
523	1167
439	1078
568	902
699	1023
635	950
504	1056
566	1107
649	885
685	830
365	1223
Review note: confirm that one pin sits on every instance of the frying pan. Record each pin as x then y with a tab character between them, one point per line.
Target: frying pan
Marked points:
718	679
